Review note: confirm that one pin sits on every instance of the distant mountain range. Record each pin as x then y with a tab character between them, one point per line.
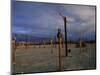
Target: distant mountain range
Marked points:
27	37
24	37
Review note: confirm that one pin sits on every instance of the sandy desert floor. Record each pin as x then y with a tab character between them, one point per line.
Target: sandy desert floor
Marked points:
33	60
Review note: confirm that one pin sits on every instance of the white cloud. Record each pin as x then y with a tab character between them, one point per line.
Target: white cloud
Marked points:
84	15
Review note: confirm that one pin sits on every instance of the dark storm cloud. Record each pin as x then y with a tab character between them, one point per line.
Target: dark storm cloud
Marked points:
40	19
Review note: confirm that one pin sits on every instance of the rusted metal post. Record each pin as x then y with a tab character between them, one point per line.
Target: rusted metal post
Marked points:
51	41
55	42
14	51
60	56
26	43
59	35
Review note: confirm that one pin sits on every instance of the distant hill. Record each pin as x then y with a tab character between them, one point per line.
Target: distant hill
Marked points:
32	38
24	37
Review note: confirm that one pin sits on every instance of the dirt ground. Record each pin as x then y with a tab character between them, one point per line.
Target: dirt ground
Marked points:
34	60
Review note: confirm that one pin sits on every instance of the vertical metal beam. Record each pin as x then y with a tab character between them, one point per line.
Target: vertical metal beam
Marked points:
66	51
64	18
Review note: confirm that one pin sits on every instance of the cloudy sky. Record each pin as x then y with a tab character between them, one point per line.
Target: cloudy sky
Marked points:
43	19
